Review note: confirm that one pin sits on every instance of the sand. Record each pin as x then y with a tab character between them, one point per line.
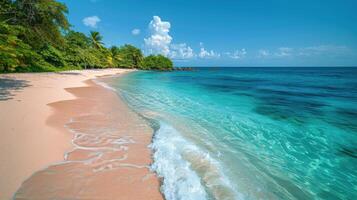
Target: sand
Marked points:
64	137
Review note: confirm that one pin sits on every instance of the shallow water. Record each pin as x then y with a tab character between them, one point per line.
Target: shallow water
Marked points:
251	133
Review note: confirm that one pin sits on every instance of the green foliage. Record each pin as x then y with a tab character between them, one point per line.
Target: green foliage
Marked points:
35	36
129	56
157	62
9	44
115	56
53	56
44	21
96	39
77	39
14	53
5	9
78	51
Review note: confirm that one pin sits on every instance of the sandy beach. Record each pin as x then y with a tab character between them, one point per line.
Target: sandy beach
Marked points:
65	137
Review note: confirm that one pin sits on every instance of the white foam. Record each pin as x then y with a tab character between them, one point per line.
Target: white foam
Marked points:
179	180
177	160
106	86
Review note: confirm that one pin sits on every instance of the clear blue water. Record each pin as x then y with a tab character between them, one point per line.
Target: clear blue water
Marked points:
251	133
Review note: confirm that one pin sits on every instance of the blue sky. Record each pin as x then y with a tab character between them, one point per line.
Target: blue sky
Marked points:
227	33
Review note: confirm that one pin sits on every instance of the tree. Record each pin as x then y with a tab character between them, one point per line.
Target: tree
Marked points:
115	56
96	39
130	56
45	20
53	56
157	62
79	52
6	10
15	53
77	39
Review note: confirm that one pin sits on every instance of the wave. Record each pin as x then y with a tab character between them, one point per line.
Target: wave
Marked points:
103	84
188	172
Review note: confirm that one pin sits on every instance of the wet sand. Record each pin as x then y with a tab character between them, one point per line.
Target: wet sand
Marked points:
81	142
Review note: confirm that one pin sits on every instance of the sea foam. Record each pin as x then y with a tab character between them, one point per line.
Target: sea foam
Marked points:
179	162
103	84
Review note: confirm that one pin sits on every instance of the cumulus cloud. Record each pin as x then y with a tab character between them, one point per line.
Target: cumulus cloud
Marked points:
181	51
159	41
91	21
135	31
238	54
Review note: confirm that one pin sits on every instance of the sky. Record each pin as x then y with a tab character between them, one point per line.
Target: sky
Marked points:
227	32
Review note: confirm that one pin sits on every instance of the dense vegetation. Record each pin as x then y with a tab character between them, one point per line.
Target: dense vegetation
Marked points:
157	62
35	35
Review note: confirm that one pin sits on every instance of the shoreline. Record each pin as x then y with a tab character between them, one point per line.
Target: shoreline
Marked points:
73	93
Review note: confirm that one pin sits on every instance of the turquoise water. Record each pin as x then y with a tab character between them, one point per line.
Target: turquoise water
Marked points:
250	133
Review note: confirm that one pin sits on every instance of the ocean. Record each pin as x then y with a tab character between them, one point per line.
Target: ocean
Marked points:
250	133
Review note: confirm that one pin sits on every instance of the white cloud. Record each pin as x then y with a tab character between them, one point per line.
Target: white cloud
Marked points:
135	31
208	54
91	21
159	40
181	51
238	54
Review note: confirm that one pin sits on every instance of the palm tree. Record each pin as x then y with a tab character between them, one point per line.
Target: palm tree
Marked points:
96	39
114	50
137	58
115	55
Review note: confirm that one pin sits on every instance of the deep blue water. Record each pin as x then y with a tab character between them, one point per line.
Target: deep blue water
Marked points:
251	133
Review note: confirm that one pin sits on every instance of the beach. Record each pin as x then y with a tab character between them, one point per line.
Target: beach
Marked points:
225	133
65	137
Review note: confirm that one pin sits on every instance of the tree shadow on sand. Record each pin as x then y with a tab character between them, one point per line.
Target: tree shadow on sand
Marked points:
9	85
